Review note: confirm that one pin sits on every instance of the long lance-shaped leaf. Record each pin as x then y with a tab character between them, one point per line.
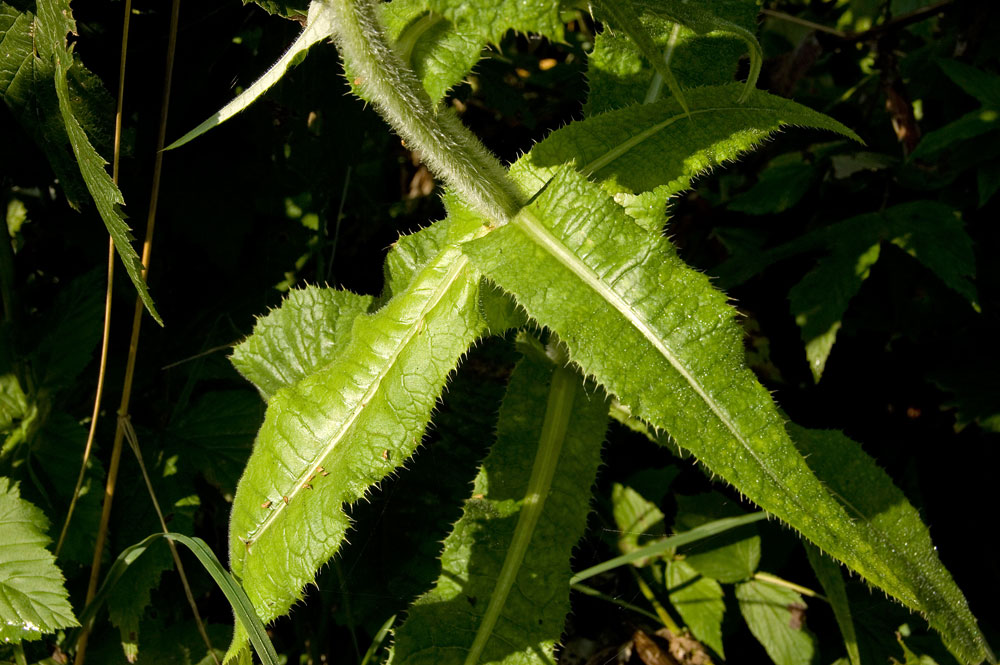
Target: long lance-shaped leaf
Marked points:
328	438
888	520
55	21
656	334
829	575
646	146
237	598
503	593
319	26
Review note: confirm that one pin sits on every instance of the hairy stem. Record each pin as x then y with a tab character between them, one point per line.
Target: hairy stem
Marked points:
449	149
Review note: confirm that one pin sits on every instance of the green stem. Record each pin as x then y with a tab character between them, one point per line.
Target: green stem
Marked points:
448	148
558	410
768	578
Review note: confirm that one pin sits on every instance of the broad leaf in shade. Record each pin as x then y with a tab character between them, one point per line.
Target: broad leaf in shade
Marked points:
344	427
776	617
730	557
780	186
215	435
33	599
929	231
503	593
702	46
829	575
491	19
657	335
303	334
55	22
638	520
893	526
698	600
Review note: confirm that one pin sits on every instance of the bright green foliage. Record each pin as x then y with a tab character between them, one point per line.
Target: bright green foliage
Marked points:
701	46
330	436
898	536
649	146
638	520
33	600
297	339
829	575
503	592
440	54
492	18
730	558
578	265
698	599
776	617
287	8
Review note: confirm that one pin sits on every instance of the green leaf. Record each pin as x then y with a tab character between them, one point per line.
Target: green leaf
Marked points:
819	300
215	436
27	86
636	518
440	54
984	86
33	599
649	146
286	8
701	46
491	19
55	21
623	15
698	599
665	545
931	232
306	332
776	617
319	26
246	618
659	337
988	180
503	593
729	558
344	427
781	186
969	126
829	575
897	535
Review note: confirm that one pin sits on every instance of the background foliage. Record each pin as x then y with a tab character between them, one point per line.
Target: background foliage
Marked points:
856	324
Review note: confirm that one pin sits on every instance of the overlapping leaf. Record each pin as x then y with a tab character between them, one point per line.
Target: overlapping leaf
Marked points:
492	18
657	335
330	436
776	617
503	593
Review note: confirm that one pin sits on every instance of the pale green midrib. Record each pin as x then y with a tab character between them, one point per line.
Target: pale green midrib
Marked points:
619	150
536	231
277	507
411	34
656	83
558	411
